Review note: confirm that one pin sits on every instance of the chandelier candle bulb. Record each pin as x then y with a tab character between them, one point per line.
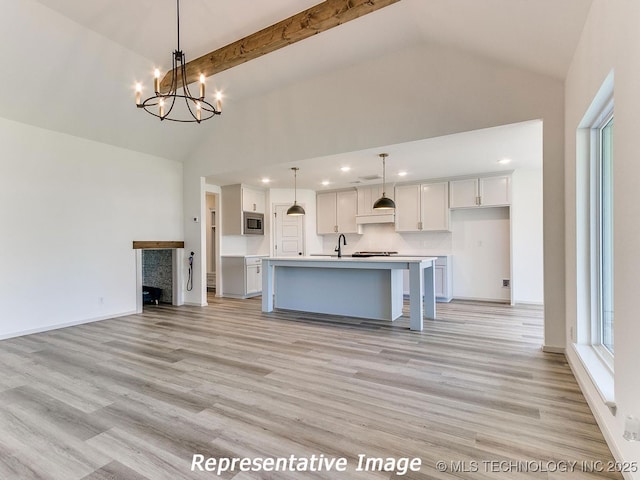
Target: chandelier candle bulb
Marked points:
219	102
201	85
156	81
138	93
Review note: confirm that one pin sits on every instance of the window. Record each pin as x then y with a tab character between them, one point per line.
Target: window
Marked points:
602	245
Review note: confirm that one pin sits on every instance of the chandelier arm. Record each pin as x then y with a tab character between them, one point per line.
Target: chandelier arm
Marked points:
173	102
174	73
188	101
185	85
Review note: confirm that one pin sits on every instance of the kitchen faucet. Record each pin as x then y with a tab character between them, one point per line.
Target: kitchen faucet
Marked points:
338	249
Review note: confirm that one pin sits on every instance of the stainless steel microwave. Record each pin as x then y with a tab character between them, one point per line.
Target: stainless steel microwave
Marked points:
253	223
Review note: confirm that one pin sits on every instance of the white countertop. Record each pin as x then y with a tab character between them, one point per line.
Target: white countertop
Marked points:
427	254
264	255
345	259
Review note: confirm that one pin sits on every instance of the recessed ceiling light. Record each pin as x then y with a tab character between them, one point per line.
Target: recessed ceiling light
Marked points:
402	173
265	180
345	168
325	182
504	161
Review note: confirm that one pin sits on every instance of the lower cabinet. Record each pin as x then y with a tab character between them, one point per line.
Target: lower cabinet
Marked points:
253	277
241	276
444	284
443	279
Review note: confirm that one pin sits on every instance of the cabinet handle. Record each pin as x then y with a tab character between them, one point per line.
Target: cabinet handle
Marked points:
258	270
254	207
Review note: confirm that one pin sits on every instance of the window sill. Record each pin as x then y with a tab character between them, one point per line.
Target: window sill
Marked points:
600	373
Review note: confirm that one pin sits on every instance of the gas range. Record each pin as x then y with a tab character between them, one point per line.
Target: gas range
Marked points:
373	254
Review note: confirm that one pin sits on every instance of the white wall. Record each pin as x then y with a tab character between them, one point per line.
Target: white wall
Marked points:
481	250
383	237
609	42
69	211
526	230
436	91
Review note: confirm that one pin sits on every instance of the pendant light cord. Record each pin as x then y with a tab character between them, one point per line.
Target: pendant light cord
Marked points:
384	177
178	17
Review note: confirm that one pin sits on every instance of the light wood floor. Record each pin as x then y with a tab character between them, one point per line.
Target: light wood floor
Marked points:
135	397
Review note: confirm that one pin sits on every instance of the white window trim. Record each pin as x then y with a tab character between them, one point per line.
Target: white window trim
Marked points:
596	359
595	337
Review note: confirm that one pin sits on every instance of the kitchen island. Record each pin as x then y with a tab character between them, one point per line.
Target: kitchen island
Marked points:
369	287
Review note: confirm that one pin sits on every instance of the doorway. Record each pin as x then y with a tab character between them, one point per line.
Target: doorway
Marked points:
288	232
212	248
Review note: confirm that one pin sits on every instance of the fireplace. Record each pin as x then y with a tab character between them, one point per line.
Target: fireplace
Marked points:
158	272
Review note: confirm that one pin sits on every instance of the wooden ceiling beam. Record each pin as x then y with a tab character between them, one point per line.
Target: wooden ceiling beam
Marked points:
312	21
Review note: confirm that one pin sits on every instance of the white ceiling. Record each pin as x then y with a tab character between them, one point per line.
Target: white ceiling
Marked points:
537	34
83	85
466	153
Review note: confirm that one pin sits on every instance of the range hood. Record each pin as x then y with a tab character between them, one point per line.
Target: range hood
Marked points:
375	218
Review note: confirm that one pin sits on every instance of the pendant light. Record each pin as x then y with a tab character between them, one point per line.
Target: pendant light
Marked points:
384	203
295	209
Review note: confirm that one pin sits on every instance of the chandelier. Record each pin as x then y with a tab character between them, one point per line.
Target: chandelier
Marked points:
177	103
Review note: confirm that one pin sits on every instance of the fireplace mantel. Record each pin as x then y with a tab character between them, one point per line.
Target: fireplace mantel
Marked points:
139	244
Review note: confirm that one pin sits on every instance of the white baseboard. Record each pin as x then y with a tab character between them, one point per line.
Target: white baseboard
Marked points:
63	325
480	299
552	349
600	411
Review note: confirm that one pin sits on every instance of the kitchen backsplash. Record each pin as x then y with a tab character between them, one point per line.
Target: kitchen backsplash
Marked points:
383	237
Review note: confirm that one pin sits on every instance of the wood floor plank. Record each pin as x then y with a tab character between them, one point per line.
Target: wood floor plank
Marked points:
135	397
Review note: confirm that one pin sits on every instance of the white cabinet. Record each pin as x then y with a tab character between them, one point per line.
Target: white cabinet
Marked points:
480	192
235	200
421	208
253	276
367	196
443	279
336	212
495	191
253	200
241	276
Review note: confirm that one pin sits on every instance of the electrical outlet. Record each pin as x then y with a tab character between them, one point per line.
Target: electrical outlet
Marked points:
506	282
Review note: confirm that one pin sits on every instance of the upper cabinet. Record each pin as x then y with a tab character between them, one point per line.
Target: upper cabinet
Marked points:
367	196
423	207
237	199
480	192
336	212
253	200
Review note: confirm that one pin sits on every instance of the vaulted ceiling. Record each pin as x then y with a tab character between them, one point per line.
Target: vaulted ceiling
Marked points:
73	64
